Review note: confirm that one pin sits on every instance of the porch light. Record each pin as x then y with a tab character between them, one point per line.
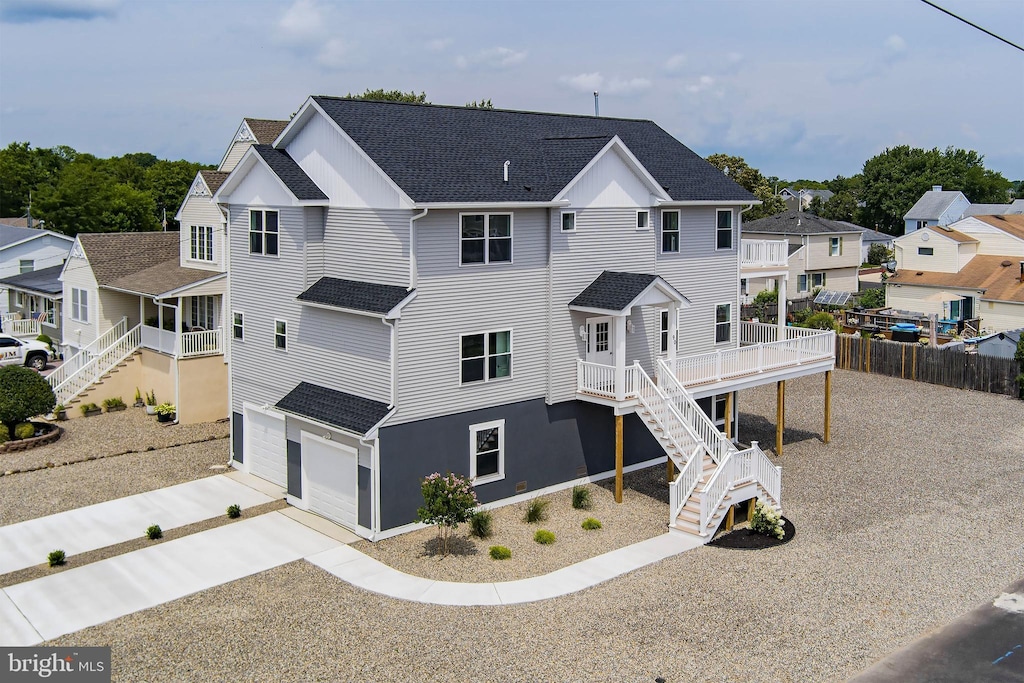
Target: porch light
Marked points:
629	326
583	332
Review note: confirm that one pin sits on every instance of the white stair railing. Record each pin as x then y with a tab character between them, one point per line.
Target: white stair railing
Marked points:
717	444
98	365
76	362
671	426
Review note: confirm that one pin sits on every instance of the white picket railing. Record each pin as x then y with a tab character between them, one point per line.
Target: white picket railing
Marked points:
27	327
595	378
680	490
97	366
764	333
76	362
204	343
763	253
673	427
751	465
718	446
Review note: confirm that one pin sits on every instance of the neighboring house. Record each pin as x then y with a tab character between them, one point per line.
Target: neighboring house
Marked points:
822	254
1015	207
25	249
935	207
999	344
800	200
869	237
966	272
418	288
35	304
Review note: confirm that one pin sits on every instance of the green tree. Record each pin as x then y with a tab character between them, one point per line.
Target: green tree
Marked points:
879	254
841	206
167	183
24	393
129	210
872	298
815	206
447	502
391	96
482	104
77	200
751	180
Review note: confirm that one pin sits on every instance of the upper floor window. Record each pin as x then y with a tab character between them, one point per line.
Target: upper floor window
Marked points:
817	279
281	335
80	305
643	219
723	323
486	356
669	231
724	229
926	251
568	221
237	326
201	248
486	238
263	232
801	282
26	265
922	224
835	246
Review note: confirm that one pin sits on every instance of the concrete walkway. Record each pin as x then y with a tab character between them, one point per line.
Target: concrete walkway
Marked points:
354	567
97	526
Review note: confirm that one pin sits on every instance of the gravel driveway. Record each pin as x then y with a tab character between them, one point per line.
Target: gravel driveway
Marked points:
910	517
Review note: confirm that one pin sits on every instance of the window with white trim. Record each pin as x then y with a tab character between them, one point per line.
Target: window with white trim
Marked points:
237	326
801	282
202	312
926	251
723	323
79	305
487	452
486	356
26	266
485	238
835	246
724	229
664	332
568	221
669	232
201	243
643	219
19	299
817	279
263	232
281	335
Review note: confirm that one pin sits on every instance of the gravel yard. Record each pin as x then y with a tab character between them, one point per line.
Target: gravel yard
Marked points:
909	518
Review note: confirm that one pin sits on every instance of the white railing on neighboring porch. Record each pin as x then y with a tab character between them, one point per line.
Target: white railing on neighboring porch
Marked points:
203	343
764	333
97	366
164	341
763	253
751	465
27	327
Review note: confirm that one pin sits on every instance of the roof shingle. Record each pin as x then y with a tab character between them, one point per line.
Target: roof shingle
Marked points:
337	408
613	291
998	276
265	130
290	173
798	223
355	295
44	280
116	255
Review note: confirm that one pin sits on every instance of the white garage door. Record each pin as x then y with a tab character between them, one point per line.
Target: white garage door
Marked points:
330	479
265	453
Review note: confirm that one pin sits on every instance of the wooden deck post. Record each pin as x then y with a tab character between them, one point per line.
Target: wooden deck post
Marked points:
780	414
728	415
670	471
730	518
618	458
828	406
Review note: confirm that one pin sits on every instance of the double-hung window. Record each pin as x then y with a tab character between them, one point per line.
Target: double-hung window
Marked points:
26	266
80	305
723	323
201	245
485	356
643	219
487	451
669	231
835	246
237	326
801	282
281	335
485	238
724	229
263	233
817	279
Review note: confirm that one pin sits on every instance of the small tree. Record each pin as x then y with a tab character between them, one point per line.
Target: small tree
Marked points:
447	502
24	393
878	254
872	298
761	301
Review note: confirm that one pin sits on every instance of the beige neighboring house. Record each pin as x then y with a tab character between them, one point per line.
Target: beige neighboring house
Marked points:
971	271
820	254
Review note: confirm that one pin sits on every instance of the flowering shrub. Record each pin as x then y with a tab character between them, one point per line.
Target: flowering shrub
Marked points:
447	502
767	520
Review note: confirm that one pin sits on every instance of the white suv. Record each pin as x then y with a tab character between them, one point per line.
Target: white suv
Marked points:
14	351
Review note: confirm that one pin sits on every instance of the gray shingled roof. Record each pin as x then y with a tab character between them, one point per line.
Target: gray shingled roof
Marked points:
354	295
44	280
931	205
441	154
290	173
869	235
613	291
797	223
329	406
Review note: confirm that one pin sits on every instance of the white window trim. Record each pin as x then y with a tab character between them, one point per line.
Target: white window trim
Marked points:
249	231
561	226
208	242
646	212
76	307
838	246
729	322
921	252
678	231
276	347
486	357
241	325
473	430
26	261
813	275
664	331
19	299
511	238
732	230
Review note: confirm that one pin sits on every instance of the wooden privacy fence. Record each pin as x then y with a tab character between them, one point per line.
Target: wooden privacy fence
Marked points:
951	367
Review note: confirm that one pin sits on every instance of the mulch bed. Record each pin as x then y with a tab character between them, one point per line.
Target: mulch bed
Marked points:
747	539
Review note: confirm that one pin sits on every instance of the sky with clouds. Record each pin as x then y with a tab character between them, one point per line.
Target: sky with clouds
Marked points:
800	88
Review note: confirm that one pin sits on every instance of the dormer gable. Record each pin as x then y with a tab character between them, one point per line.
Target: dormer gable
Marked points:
614	177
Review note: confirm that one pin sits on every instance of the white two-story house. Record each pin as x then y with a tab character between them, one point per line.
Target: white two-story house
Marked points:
527	299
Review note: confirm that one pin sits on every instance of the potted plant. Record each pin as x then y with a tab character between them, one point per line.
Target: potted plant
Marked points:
90	409
60	412
165	412
139	403
151	402
114	404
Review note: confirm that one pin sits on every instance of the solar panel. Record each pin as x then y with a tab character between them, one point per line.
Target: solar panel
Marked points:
830	298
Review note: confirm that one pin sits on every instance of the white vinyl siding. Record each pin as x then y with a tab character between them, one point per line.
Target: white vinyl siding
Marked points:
199	211
371	246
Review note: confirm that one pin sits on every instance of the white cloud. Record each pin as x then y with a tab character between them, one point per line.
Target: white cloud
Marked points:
585	82
969	130
303	21
895	43
675	62
334	54
624	86
439	44
492	58
613	86
702	84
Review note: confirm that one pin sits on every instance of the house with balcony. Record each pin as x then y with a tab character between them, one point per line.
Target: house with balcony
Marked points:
25	249
34	304
531	300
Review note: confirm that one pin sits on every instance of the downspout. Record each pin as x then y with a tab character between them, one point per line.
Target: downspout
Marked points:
175	350
230	319
550	388
373	443
412	248
739	261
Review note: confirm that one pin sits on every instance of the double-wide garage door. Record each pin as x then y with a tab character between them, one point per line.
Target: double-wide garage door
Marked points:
264	447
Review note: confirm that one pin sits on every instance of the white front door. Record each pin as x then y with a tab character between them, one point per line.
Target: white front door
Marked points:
600	340
265	453
330	476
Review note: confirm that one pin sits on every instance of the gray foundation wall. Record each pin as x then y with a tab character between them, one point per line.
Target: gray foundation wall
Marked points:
236	436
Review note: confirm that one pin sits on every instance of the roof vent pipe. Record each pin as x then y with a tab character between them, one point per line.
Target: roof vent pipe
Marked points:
505	170
597	107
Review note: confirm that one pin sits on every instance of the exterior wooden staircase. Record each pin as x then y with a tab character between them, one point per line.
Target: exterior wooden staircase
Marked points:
90	365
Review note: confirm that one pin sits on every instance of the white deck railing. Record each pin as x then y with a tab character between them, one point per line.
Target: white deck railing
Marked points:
97	366
751	465
164	341
763	253
718	446
27	327
204	343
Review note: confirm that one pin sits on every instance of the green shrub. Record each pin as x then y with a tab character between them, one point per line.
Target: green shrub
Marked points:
25	394
24	430
767	520
581	497
86	407
536	510
166	409
872	298
234	511
154	532
544	537
821	320
481	524
56	558
5	433
114	402
500	552
46	340
800	317
590	524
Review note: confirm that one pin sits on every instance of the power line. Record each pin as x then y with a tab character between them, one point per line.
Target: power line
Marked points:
970	23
